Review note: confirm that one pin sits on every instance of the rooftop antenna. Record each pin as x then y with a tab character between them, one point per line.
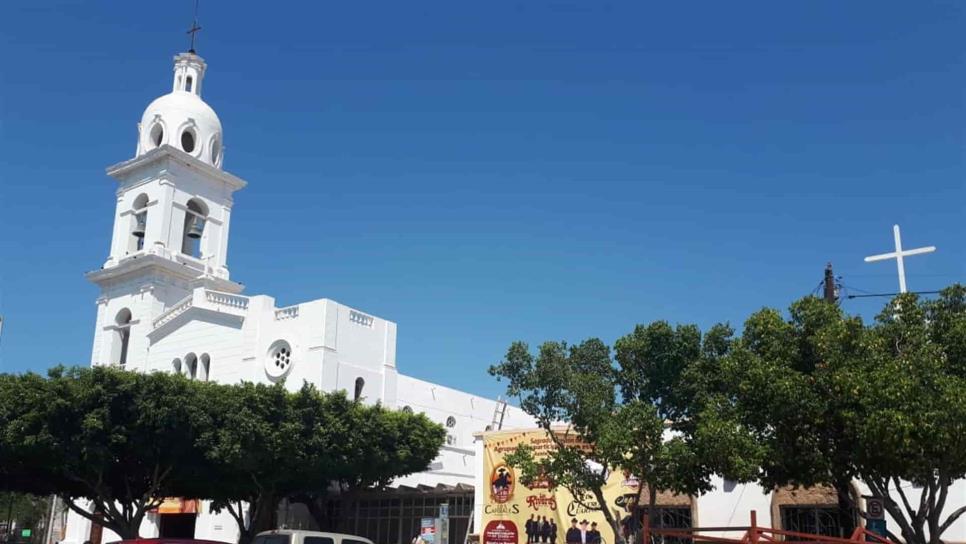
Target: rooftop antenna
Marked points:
194	29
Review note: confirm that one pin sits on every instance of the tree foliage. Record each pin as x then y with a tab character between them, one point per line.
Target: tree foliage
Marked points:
619	414
114	443
814	398
831	399
266	444
375	446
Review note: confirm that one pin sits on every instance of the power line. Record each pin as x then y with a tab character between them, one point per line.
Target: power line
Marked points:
891	294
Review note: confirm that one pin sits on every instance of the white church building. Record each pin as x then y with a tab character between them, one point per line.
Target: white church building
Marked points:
168	303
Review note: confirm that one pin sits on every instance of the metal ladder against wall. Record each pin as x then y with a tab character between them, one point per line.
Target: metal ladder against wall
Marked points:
499	411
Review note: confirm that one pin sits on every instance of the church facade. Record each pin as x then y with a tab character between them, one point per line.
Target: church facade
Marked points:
168	303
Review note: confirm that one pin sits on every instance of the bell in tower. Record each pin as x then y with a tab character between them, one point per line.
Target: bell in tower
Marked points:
196	228
140	222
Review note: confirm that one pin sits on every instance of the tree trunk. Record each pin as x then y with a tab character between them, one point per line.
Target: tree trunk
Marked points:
614	524
634	523
847	506
126	527
262	516
651	507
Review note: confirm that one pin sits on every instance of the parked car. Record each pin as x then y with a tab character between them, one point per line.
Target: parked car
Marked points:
292	536
165	541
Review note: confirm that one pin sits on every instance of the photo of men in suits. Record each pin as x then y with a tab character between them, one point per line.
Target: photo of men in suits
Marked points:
574	535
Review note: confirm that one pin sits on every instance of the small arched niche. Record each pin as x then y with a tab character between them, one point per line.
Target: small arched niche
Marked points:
191	365
215	151
122	337
360	385
204	371
156	135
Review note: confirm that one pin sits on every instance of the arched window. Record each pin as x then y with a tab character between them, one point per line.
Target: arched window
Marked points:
176	366
360	383
205	367
122	327
194	226
187	83
191	365
139	222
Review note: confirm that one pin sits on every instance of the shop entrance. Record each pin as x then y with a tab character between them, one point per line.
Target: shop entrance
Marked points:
178	525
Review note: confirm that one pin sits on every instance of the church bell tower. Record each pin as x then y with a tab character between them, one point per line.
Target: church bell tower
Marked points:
171	221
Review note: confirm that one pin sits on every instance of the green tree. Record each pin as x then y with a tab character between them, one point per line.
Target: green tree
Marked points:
829	400
376	446
265	444
668	369
579	386
111	443
257	446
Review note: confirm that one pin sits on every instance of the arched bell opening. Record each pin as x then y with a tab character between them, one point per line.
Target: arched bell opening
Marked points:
195	217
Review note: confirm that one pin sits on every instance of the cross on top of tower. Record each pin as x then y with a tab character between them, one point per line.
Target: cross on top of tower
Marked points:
898	255
194	29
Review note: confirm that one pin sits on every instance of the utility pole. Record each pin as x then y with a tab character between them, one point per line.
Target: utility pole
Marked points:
830	293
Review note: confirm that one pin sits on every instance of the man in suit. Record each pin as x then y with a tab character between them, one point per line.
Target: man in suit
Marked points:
531	529
593	536
573	534
552	531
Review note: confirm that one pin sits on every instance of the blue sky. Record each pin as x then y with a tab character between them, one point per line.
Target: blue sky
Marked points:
480	173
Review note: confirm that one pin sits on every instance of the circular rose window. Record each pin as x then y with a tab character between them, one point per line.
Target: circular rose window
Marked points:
279	359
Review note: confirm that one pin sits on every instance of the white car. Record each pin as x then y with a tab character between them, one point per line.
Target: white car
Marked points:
292	536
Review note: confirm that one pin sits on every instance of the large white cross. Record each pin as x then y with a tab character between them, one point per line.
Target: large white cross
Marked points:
898	255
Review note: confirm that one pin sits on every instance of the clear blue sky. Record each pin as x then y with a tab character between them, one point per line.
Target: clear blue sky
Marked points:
480	173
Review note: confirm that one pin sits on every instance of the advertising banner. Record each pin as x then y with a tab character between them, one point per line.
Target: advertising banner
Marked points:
178	505
517	514
427	530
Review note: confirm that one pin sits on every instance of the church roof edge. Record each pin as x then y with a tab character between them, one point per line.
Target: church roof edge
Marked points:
121	169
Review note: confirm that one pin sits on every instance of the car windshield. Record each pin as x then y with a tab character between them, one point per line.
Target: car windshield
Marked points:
272	539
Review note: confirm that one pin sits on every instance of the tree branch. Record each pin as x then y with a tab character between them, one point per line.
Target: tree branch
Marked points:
880	488
905	500
953	516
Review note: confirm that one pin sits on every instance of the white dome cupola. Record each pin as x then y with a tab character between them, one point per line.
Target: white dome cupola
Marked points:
181	119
